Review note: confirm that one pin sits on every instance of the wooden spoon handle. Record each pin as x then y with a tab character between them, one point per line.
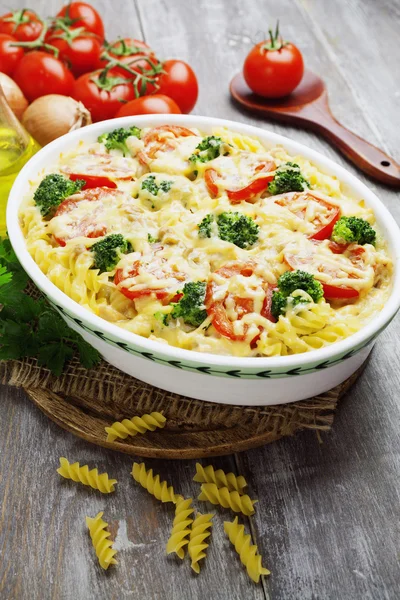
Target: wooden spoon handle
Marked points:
367	157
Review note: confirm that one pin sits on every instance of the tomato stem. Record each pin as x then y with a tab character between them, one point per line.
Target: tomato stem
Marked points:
275	41
39	42
136	77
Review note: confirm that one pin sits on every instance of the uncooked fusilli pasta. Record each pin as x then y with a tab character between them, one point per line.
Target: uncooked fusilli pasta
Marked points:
220	478
179	537
201	530
248	553
82	474
227	499
102	545
135	425
159	489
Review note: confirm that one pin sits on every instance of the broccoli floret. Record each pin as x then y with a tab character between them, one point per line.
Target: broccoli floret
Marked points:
205	226
208	149
233	227
151	186
238	229
151	239
116	140
353	229
288	178
53	189
287	284
191	306
162	317
109	250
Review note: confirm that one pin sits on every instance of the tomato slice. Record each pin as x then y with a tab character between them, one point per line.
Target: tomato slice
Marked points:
332	292
217	310
210	176
156	140
337	248
94	181
100	164
156	267
316	264
324	220
86	226
247	192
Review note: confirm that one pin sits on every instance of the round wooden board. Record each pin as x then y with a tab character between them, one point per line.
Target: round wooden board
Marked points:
172	444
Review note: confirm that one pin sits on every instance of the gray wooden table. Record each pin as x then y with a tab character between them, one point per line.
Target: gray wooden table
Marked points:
328	518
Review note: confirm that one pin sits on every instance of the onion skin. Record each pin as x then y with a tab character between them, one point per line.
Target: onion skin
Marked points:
14	96
52	116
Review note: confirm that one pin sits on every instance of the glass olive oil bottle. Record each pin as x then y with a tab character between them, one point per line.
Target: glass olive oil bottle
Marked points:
16	148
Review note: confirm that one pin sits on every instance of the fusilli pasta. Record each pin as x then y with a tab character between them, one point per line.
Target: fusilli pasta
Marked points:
151	483
221	479
233	500
179	537
82	474
102	545
135	425
248	553
201	530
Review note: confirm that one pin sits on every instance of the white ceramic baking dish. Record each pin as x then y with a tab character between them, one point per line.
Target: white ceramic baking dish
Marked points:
223	379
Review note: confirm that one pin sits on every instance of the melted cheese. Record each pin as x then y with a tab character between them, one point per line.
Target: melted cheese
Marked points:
155	271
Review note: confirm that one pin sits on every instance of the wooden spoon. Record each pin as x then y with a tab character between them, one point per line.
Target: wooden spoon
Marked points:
308	107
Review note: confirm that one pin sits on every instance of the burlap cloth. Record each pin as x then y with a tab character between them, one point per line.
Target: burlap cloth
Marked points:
109	394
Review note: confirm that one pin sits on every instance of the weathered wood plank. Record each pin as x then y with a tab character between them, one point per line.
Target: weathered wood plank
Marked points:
318	523
44	545
327	520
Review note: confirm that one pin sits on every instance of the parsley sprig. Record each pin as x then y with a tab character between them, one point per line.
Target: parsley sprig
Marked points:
31	327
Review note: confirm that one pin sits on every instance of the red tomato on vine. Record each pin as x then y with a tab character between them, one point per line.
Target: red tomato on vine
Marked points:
80	14
24	25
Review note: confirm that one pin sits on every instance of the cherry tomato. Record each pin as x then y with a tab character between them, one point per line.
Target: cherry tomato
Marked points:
158	138
159	270
80	51
179	82
80	14
324	214
102	96
83	225
39	74
93	181
273	68
148	105
9	55
216	308
24	25
248	192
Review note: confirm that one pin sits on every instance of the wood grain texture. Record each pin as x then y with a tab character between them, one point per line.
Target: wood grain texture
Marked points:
327	522
308	107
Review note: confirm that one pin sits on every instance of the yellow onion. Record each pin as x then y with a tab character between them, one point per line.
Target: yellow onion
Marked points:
49	117
15	98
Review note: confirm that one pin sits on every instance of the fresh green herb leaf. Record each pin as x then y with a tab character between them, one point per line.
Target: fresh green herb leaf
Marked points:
31	327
